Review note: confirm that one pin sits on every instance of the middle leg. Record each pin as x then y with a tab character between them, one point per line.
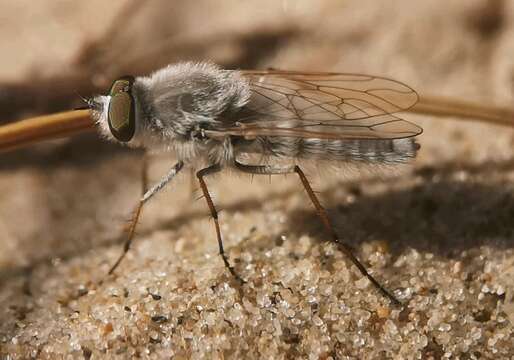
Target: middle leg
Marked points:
214	213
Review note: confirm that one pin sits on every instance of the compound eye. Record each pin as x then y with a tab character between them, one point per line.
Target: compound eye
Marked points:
121	117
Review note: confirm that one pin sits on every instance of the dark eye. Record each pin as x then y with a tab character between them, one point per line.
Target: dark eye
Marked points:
121	114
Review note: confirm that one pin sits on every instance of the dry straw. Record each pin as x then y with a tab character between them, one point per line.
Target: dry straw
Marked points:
60	125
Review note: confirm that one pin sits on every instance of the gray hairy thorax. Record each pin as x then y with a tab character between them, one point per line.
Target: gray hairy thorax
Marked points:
177	103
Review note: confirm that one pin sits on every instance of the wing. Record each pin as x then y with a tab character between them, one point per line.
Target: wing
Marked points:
324	106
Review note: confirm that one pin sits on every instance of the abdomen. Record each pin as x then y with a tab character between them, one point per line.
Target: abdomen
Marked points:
368	151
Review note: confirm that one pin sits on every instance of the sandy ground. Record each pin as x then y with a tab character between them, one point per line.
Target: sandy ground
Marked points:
440	234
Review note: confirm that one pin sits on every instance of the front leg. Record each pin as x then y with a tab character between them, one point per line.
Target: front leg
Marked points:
214	213
147	194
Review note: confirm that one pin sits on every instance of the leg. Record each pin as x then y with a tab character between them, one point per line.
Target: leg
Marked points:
214	213
263	169
147	194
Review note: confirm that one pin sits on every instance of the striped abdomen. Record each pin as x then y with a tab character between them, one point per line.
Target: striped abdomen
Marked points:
373	151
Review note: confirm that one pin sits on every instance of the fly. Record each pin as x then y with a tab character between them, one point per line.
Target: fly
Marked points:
214	119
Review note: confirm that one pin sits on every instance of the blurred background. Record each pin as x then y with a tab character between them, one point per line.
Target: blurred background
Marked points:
69	198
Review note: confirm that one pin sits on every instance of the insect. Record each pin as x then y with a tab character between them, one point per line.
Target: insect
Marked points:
214	119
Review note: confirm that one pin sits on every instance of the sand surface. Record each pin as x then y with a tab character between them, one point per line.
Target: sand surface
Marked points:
439	233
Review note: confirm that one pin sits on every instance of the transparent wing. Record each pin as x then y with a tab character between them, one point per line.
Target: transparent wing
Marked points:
325	106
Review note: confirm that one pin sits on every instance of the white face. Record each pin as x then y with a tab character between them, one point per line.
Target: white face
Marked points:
100	114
